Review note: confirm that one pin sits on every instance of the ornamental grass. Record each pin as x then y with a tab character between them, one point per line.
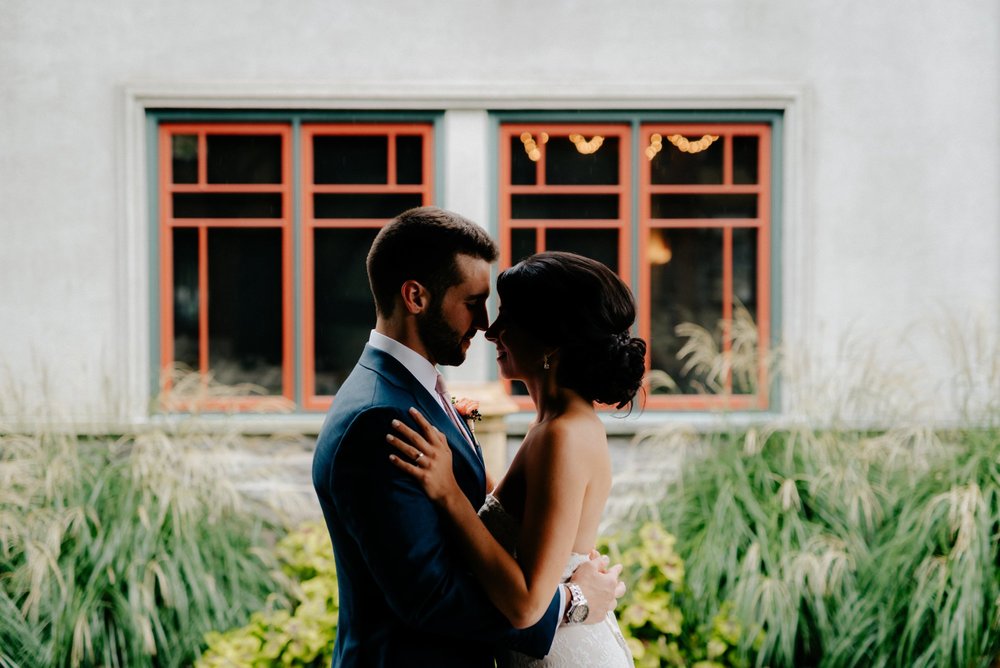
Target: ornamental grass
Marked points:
845	548
121	552
840	544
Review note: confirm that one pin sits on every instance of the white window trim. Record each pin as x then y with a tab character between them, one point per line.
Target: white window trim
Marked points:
471	103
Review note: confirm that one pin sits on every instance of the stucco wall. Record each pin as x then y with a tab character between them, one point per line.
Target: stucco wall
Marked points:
894	226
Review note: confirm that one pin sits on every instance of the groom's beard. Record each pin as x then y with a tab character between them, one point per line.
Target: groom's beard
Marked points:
442	342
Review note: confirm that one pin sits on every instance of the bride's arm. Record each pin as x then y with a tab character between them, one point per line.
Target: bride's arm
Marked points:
520	590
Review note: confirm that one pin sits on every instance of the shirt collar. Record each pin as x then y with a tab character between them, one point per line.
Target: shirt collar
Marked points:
421	368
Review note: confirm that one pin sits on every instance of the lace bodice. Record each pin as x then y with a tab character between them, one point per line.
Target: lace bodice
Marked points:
577	646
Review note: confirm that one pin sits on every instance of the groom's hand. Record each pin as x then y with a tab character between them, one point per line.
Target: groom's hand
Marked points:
600	586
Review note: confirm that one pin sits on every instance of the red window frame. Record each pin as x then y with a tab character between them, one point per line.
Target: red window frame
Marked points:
622	223
310	223
644	224
168	223
762	223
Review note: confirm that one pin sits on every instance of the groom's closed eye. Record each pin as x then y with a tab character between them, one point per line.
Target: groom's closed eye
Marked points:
475	303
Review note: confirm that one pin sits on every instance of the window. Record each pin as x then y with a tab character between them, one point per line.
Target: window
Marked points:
699	262
263	221
246	237
355	179
225	242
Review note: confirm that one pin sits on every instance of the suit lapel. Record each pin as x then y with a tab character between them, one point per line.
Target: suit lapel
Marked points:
390	368
467	429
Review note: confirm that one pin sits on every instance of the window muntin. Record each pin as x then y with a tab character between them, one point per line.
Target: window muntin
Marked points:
704	260
234	244
566	187
717	205
226	257
702	232
355	177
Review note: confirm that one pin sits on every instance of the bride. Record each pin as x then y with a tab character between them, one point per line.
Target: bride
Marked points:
563	330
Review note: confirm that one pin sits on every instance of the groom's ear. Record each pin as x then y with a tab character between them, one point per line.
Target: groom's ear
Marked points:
416	298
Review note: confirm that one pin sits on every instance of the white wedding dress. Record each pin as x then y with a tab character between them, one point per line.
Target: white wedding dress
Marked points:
576	646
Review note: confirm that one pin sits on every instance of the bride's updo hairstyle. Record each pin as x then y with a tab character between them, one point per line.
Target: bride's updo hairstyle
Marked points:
585	310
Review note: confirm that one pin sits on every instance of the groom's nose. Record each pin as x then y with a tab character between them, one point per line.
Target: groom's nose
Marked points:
481	319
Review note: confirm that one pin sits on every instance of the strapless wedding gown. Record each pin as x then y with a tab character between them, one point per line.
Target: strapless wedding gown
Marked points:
575	646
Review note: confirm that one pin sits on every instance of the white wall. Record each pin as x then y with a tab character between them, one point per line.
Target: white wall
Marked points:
893	207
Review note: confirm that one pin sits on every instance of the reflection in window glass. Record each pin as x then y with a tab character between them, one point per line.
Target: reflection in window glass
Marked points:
685	287
565	165
703	206
245	306
555	207
184	158
344	308
409	159
227	205
351	159
374	206
523	171
672	166
745	359
523	243
745	160
600	245
186	296
244	158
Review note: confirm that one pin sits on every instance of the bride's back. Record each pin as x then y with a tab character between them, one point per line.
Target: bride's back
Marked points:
580	431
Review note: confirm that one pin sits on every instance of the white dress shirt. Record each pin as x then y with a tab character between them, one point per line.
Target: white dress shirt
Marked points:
425	373
421	368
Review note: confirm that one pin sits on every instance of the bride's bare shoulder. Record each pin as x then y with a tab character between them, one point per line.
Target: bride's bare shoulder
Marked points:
573	433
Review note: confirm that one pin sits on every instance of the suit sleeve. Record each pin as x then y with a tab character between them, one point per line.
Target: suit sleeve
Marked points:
409	554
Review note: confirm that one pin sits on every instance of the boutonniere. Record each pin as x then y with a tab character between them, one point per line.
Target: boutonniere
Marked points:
468	409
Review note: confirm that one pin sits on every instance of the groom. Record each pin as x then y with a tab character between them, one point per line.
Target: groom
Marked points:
406	598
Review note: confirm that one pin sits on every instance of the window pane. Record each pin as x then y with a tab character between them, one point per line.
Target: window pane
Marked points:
378	206
600	245
564	206
744	344
186	296
184	158
685	287
565	165
671	165
245	309
523	172
244	158
409	159
523	243
745	160
351	159
227	205
703	206
344	308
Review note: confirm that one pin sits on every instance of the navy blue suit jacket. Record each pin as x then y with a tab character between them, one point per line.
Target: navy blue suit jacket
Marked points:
406	597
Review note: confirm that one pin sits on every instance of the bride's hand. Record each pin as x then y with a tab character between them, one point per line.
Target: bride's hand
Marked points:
429	454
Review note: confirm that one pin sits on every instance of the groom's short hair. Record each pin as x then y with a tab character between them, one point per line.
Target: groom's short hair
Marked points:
421	245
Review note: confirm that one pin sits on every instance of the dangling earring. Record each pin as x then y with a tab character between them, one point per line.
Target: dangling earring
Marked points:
545	362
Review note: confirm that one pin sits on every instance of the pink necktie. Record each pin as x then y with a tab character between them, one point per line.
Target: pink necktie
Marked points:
442	392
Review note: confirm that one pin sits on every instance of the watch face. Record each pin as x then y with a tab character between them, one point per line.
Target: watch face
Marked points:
580	613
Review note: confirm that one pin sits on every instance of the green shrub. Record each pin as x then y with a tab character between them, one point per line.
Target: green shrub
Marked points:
652	616
299	634
121	553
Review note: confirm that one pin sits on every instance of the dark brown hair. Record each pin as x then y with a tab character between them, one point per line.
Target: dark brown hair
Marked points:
421	245
586	310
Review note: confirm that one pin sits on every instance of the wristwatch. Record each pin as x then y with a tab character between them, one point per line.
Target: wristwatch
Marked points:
578	608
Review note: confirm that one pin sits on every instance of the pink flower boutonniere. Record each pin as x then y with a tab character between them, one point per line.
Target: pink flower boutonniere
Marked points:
468	409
